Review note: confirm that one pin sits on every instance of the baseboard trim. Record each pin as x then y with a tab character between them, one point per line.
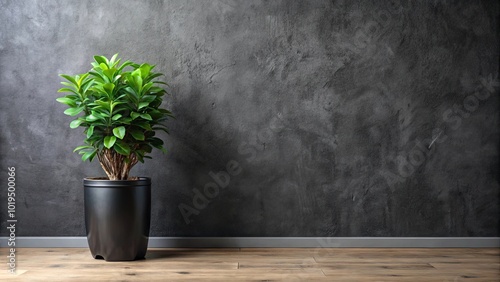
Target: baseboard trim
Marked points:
273	242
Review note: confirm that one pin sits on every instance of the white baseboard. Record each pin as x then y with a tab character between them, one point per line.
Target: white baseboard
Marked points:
273	242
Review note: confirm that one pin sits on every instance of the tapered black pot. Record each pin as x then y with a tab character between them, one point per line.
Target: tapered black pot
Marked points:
117	217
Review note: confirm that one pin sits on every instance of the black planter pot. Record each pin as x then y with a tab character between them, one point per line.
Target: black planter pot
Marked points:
117	217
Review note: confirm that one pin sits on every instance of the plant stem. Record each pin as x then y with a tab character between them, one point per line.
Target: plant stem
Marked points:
116	166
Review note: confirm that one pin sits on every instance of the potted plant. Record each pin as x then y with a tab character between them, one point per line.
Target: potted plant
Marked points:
118	105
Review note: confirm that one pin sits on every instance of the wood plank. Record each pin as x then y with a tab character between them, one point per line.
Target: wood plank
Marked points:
288	264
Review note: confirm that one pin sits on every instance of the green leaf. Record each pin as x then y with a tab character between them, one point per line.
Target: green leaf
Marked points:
82	147
124	65
136	79
137	134
109	141
161	128
146	116
153	76
162	149
109	87
143	104
114	104
148	98
125	120
91	118
167	112
90	131
131	94
110	73
117	116
144	125
82	79
161	82
103	104
76	123
64	89
145	69
92	155
89	155
103	66
73	111
69	78
139	157
113	58
122	148
147	86
156	142
134	115
101	59
67	101
119	132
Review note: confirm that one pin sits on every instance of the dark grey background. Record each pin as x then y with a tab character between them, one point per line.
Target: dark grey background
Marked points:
320	103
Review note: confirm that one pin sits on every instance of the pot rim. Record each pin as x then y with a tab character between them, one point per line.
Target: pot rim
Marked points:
141	181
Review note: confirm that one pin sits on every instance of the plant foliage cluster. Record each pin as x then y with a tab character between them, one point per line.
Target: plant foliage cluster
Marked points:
118	104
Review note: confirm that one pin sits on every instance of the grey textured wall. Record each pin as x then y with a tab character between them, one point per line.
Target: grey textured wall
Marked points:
336	118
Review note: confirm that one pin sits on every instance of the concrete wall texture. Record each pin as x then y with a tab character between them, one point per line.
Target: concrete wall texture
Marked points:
327	118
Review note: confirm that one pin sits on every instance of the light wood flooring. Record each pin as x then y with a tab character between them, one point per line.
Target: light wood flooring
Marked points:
248	264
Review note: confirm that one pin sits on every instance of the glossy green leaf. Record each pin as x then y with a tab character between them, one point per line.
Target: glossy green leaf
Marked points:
109	73
156	142
101	59
119	132
109	141
103	104
146	116
76	123
67	101
122	148
137	134
145	70
91	118
69	78
113	58
153	76
134	115
90	131
162	129
148	98
144	125
82	79
89	155
82	147
117	116
114	104
109	87
103	66
125	120
65	89
73	111
143	104
124	65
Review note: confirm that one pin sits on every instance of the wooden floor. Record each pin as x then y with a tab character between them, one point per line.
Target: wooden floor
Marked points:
325	264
